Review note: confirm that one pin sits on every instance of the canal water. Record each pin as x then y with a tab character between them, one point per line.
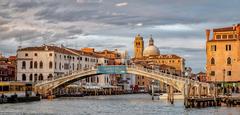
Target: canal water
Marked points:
137	104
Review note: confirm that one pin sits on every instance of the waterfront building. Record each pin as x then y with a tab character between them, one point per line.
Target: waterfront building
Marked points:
46	62
7	68
115	57
223	55
151	57
7	71
49	61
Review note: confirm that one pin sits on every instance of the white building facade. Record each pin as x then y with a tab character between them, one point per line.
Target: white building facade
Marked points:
35	64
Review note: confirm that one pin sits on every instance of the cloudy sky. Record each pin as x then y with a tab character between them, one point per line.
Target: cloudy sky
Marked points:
177	26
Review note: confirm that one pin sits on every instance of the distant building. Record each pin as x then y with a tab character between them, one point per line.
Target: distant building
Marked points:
201	76
151	57
7	72
7	68
223	55
115	57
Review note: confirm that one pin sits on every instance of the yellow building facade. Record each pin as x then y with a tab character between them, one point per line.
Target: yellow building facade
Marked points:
138	47
223	54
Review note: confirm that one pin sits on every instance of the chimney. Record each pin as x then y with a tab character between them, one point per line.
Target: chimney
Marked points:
46	48
238	31
207	34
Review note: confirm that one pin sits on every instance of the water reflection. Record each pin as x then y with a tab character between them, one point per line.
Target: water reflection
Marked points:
111	105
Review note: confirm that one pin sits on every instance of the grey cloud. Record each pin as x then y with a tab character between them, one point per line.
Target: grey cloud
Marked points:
182	49
64	17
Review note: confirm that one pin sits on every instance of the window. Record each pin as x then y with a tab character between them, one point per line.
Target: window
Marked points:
30	77
23	65
26	54
35	65
40	77
50	65
218	37
23	77
224	36
60	65
212	73
73	66
228	47
35	77
55	65
41	64
229	73
213	48
35	54
50	77
31	65
212	61
50	54
230	36
229	61
81	58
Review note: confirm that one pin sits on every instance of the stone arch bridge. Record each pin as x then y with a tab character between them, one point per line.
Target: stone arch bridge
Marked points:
184	85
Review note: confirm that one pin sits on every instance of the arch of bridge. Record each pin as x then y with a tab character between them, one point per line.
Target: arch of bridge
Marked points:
177	84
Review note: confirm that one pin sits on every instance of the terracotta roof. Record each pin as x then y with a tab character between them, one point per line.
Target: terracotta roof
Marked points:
47	48
80	52
12	57
170	56
223	29
6	64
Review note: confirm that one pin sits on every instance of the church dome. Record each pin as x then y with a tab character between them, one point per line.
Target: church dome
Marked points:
151	50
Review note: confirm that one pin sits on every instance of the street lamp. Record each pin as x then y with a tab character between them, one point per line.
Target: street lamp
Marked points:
152	90
223	80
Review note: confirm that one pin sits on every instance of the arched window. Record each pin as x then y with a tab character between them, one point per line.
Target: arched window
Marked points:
50	65
35	65
31	64
73	66
60	66
23	65
23	77
35	77
30	77
40	77
213	61
229	61
50	77
41	64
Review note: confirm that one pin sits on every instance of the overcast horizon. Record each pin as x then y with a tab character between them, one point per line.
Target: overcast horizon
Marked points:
177	26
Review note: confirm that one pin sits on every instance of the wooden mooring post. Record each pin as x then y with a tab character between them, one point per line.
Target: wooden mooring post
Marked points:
170	97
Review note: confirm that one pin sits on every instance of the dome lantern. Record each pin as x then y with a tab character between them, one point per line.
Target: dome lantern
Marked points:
151	50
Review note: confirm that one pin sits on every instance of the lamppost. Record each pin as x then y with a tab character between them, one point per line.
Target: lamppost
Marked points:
223	81
152	89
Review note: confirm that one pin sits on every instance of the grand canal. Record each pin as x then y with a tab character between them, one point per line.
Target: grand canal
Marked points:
111	105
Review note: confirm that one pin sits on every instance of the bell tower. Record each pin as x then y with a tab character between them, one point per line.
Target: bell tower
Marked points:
138	46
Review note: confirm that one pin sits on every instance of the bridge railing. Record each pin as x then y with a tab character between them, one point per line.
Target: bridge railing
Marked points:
68	74
187	80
